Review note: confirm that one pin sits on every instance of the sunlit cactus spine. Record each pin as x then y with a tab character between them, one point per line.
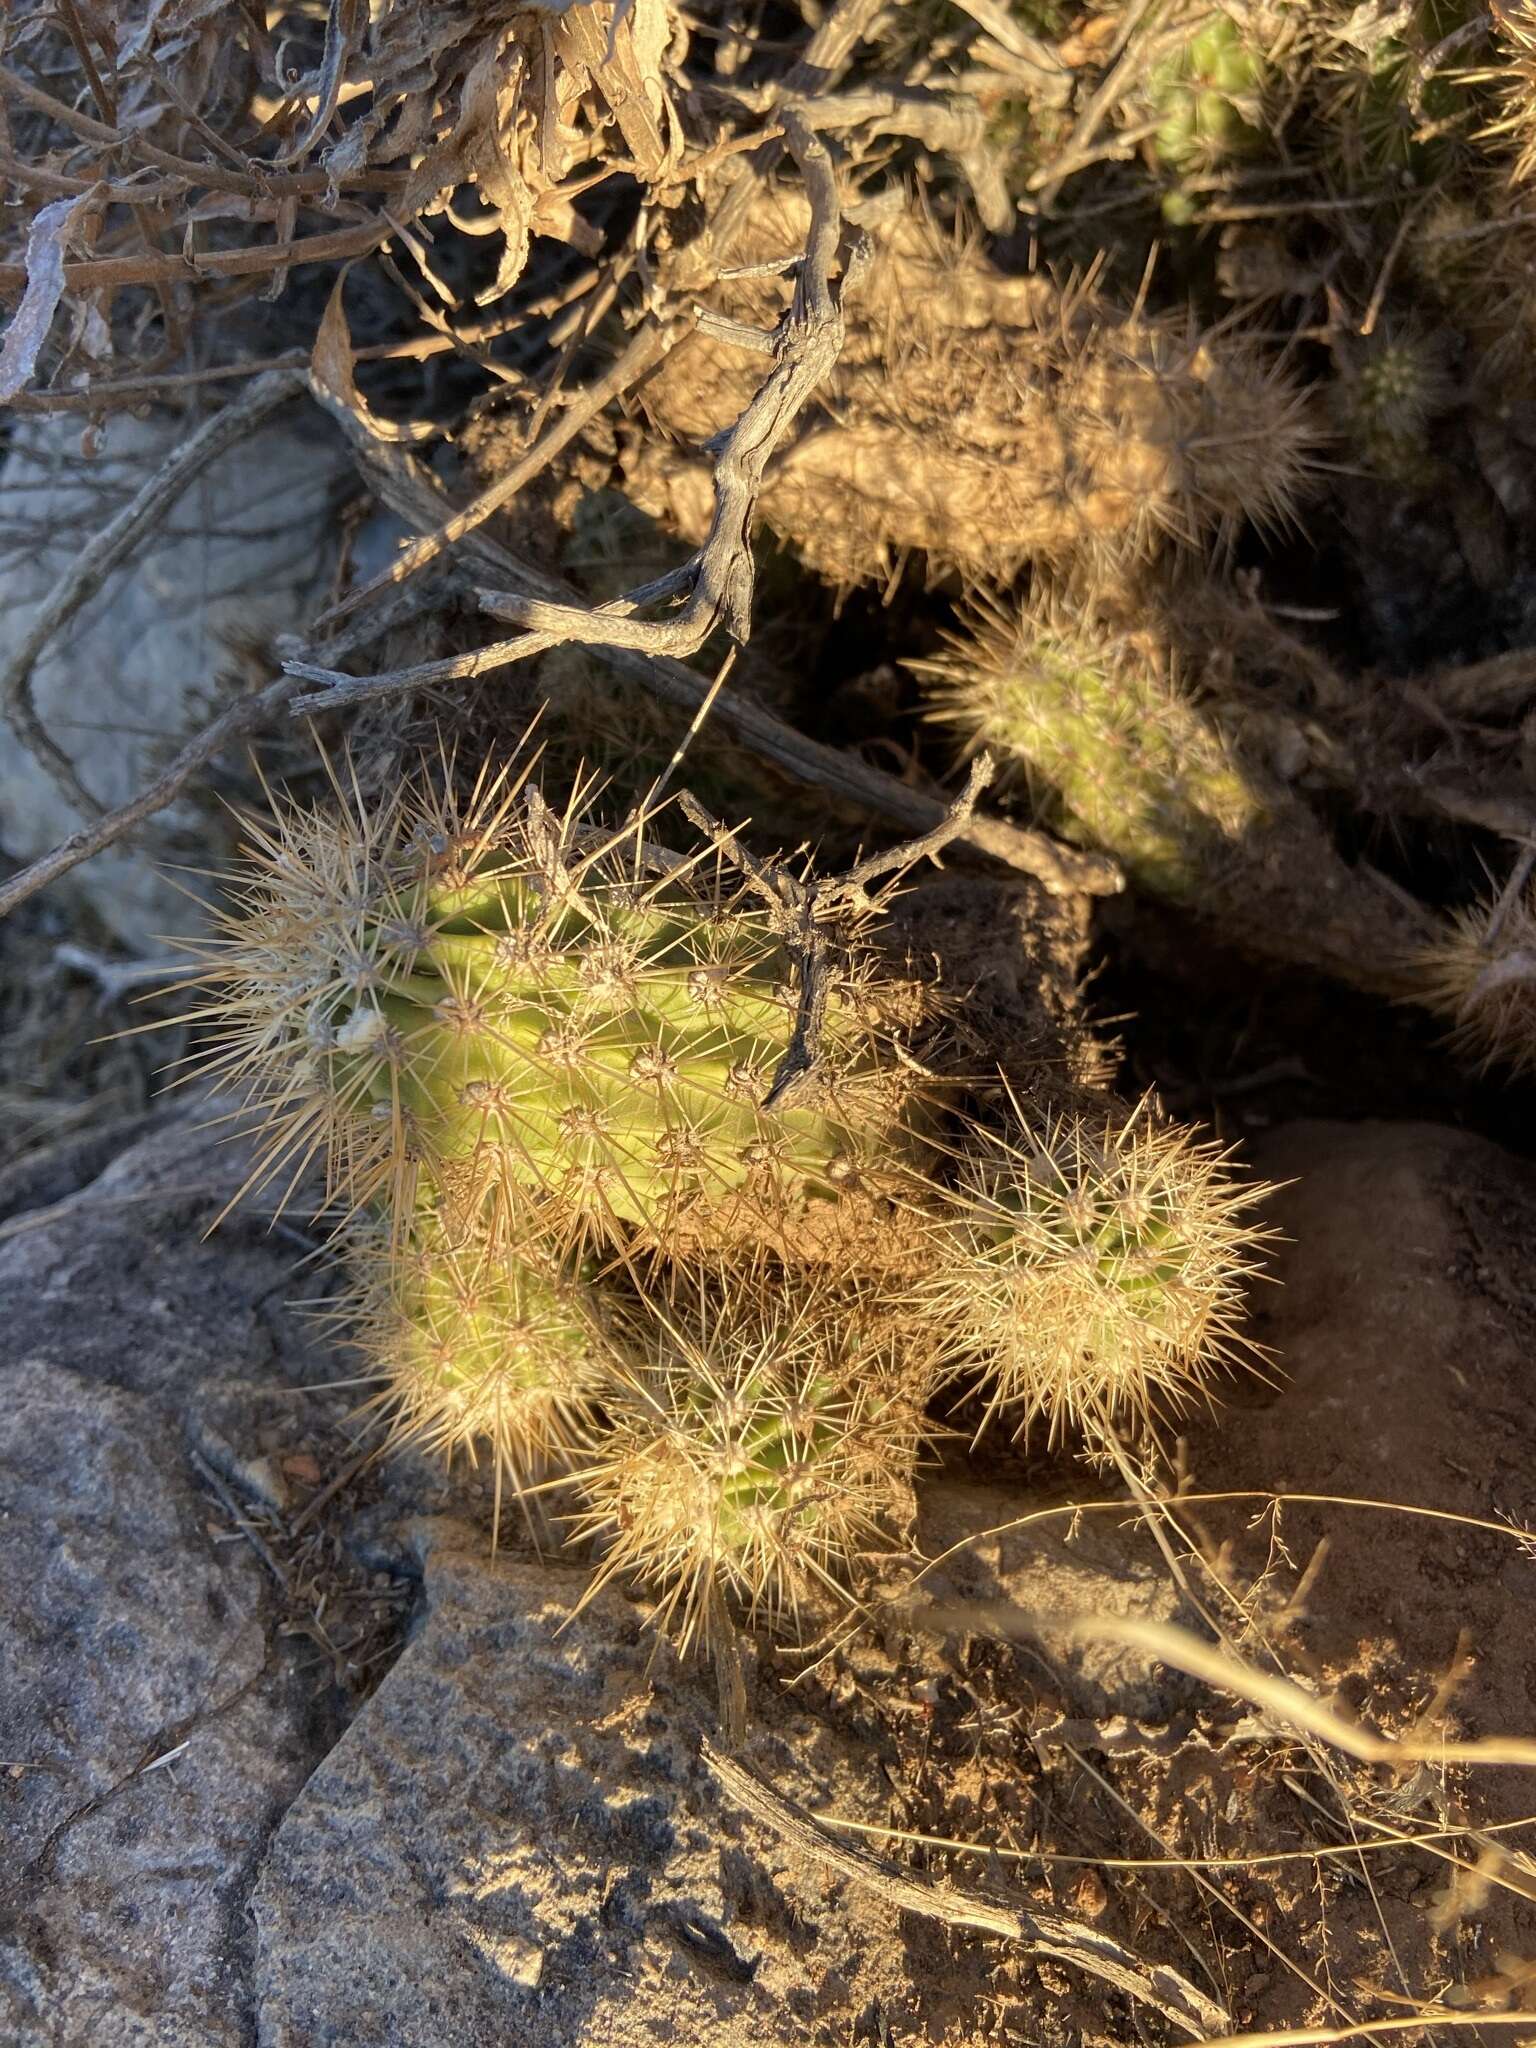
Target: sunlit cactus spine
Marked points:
1514	24
1479	973
1094	1273
536	1023
762	1436
1100	737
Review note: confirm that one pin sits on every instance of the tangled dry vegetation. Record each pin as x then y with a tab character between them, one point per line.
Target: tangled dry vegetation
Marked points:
1142	391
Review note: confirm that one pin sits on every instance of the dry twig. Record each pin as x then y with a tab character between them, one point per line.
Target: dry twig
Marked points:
1063	870
718	579
1047	1934
246	715
643	353
800	911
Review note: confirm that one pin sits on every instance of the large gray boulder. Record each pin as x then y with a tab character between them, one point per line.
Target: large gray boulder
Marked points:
519	1840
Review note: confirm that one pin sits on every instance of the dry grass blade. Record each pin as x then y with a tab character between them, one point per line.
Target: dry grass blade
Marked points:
1055	1935
1278	1698
1377	2030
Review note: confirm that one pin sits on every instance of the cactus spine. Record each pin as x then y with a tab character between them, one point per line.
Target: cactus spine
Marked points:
1479	973
544	1026
475	1348
759	1441
1099	736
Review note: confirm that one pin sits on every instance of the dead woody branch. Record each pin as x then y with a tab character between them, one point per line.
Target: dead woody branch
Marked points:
1043	1933
801	911
716	583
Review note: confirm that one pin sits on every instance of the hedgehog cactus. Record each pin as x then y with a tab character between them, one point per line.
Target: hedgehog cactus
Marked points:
1389	398
1096	1272
1480	974
540	1060
759	1442
545	1026
988	420
1399	97
474	1347
1094	731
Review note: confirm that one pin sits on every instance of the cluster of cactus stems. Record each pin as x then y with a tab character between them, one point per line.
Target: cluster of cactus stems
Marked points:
1204	97
596	1242
986	421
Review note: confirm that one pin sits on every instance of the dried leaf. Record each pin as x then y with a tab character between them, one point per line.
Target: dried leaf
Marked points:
622	51
30	323
331	371
487	134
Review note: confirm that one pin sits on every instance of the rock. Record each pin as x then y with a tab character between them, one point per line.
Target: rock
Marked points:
119	1281
148	1739
48	1173
247	552
517	1840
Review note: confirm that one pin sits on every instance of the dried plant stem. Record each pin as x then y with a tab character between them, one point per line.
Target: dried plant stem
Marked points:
1061	869
1284	1703
106	551
718	580
823	62
800	911
1048	1934
336	245
643	353
260	182
241	717
1135	49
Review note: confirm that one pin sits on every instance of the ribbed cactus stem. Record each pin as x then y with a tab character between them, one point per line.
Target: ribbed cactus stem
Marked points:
1207	95
759	1441
1099	736
535	1022
1095	1273
477	1350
